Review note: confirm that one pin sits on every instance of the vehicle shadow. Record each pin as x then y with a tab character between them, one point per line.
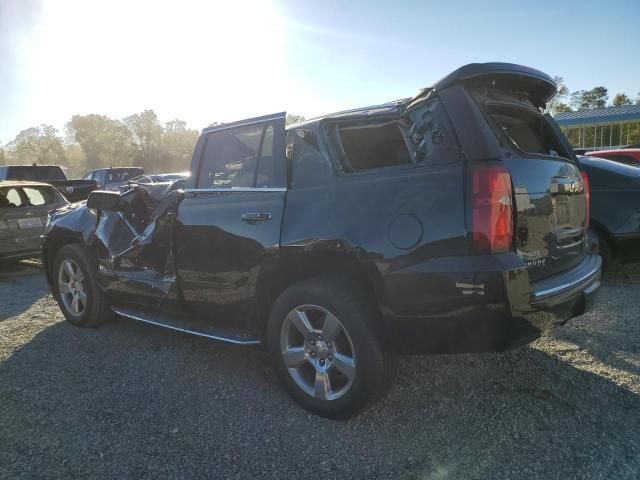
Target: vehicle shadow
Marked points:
126	396
607	337
21	285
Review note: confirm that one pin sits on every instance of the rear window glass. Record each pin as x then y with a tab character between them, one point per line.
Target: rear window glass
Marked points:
35	173
527	130
41	195
119	175
373	145
10	197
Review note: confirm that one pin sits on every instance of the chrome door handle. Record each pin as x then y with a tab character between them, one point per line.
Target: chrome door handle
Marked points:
252	217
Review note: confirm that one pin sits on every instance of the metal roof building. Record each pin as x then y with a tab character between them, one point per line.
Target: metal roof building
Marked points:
601	128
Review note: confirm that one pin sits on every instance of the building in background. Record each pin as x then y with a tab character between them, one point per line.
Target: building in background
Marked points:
601	128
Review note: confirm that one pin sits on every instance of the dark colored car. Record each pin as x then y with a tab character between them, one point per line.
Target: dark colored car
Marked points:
114	177
73	190
615	208
446	222
630	156
23	216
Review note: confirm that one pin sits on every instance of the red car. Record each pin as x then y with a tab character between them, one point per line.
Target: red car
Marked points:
630	156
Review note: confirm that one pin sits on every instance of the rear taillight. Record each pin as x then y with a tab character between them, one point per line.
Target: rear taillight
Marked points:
587	198
491	210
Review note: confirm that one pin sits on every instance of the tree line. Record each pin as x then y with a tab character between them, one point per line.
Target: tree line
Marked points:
97	141
597	97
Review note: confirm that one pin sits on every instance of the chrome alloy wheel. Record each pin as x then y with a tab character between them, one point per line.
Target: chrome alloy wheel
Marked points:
72	287
317	352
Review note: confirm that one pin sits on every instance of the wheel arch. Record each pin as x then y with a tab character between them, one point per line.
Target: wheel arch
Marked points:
606	234
53	243
301	263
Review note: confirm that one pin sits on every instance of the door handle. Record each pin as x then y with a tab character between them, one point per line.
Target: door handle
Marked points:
252	218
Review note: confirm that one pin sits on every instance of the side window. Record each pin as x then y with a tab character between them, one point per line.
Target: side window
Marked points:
309	166
369	145
40	196
88	176
432	137
242	157
10	198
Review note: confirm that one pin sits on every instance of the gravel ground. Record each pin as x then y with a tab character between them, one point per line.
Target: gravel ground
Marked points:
132	401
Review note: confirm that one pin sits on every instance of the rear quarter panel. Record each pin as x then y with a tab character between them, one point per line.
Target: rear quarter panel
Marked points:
389	220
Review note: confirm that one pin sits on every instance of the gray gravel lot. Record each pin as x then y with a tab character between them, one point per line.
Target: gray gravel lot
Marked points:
132	401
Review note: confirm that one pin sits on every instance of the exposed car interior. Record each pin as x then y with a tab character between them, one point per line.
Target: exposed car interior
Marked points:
373	145
527	130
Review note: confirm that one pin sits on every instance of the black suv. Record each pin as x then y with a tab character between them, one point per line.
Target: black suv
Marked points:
453	221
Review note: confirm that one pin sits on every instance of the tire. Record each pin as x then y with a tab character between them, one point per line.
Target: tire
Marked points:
359	366
94	310
604	247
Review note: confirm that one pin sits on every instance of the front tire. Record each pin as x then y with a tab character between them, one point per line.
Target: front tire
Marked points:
325	342
82	302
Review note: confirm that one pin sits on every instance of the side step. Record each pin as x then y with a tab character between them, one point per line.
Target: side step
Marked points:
186	326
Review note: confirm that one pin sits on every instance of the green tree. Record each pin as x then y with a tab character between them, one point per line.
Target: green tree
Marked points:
177	145
595	98
559	103
104	141
621	99
146	132
38	145
293	118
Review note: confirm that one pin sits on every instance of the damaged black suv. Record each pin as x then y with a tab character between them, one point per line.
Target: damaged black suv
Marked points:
453	221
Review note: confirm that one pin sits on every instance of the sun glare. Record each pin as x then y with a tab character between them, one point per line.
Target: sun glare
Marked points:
200	61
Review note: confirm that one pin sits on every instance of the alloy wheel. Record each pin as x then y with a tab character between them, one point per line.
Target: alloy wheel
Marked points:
318	352
71	286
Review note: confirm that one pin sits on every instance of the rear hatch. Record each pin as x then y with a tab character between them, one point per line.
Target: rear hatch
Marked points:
551	212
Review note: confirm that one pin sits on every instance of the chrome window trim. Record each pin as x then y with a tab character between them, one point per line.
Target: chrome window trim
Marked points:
235	189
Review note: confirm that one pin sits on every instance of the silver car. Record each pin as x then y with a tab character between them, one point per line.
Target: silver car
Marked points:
23	216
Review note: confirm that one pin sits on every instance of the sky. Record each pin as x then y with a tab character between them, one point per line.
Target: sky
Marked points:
206	61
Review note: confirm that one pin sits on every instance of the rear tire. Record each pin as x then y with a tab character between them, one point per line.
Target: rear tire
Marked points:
80	298
325	342
606	252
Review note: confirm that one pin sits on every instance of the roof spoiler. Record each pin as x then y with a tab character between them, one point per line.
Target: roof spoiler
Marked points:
503	75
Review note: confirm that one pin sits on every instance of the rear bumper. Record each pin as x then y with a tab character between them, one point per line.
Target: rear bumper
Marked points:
484	303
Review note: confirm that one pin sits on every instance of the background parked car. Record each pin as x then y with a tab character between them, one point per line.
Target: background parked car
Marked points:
23	216
73	190
158	185
630	156
615	208
113	178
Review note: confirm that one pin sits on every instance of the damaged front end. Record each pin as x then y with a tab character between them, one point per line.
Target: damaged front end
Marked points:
130	237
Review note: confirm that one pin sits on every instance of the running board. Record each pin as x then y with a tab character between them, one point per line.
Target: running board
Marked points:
187	326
